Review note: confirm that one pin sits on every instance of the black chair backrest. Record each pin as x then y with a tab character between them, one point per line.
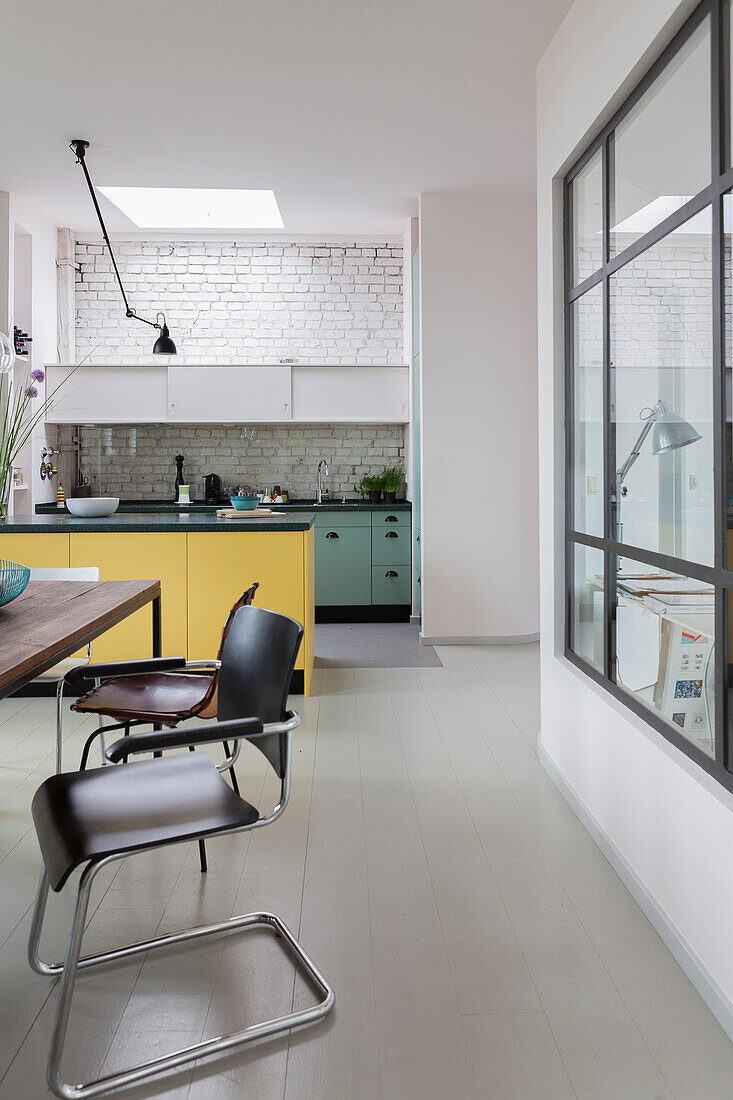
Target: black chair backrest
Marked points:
257	665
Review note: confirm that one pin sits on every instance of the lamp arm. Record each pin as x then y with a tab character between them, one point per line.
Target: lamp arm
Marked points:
623	471
79	147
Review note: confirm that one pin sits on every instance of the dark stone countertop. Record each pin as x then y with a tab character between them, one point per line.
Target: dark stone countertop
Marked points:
154	521
198	508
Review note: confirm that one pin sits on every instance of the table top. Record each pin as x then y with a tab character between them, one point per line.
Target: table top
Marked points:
52	619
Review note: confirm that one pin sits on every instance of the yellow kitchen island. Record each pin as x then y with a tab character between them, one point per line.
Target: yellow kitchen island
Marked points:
203	563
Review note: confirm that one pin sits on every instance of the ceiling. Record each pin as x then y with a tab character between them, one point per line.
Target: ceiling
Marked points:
348	109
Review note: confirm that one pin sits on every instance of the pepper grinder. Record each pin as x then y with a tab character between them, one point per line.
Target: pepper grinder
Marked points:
179	477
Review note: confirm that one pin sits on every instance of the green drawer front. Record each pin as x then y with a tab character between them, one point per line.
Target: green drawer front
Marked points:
391	520
343	565
342	519
391	547
418	592
416	549
391	584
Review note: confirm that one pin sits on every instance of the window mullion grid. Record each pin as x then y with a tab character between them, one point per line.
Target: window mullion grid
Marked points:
719	574
609	571
718	166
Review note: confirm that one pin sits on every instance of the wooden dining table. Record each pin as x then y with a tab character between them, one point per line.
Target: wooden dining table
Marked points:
51	620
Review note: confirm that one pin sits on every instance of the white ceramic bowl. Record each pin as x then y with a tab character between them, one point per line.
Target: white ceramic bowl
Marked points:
89	507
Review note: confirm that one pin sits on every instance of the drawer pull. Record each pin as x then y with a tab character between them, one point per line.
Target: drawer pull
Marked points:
391	573
419	580
417	539
391	519
332	535
391	535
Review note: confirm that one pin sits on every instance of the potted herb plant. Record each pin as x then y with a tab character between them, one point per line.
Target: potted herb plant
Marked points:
393	478
371	486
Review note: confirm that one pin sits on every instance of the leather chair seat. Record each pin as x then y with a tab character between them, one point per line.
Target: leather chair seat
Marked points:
81	816
153	697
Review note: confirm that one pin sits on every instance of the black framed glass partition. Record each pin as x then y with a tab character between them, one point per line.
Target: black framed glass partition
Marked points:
649	397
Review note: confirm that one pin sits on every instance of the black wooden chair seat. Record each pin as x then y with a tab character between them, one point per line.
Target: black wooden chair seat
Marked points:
82	816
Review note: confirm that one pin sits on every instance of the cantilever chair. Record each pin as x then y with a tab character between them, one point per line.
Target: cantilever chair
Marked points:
97	816
162	690
154	691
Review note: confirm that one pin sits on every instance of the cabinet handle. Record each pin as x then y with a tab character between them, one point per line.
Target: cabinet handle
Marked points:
391	519
391	573
419	580
331	535
417	539
391	535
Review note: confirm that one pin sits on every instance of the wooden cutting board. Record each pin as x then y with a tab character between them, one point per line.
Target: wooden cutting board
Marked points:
254	513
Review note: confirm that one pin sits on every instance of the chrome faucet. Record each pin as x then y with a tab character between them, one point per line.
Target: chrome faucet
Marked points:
322	465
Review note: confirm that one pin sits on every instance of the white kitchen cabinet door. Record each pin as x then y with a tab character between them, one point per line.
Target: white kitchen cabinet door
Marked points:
225	394
106	395
359	395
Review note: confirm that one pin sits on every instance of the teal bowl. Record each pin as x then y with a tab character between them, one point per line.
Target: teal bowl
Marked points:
13	580
245	504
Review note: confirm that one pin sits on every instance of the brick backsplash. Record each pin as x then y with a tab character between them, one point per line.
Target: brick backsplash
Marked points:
137	462
242	303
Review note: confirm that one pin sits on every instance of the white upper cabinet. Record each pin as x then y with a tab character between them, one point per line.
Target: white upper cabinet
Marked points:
239	394
106	395
360	395
226	394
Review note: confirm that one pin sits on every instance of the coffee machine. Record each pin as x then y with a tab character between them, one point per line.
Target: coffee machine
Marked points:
212	489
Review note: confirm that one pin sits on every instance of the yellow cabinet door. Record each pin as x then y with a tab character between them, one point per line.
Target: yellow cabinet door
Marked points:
222	565
39	550
133	555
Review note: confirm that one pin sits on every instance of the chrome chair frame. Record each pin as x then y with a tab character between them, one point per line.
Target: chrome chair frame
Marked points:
75	961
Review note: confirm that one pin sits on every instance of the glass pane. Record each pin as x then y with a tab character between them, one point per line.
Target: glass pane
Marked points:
661	150
662	395
665	647
586	220
586	625
588	412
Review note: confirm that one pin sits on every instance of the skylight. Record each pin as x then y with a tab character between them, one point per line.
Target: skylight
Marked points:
196	207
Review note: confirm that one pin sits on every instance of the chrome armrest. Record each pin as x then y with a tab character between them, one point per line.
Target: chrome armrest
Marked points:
192	665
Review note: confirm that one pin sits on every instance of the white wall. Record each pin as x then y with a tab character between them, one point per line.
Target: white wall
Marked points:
668	826
479	417
43	315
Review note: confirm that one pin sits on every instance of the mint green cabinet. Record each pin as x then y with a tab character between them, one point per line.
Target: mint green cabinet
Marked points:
391	584
391	547
417	559
390	521
343	563
363	557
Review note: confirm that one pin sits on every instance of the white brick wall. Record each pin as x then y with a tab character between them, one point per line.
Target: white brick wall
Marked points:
137	462
233	303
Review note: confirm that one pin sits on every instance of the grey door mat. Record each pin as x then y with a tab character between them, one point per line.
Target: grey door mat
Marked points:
372	645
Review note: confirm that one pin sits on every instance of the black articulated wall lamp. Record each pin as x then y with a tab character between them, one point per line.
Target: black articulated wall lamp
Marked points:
163	345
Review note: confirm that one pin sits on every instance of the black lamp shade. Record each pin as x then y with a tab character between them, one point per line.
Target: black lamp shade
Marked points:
164	345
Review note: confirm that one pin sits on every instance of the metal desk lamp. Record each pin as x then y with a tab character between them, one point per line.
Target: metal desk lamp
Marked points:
669	432
163	345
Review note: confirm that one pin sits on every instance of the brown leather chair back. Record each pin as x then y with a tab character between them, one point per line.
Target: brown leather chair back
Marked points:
207	707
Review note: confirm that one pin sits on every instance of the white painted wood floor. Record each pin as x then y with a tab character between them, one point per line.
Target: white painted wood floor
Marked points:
478	942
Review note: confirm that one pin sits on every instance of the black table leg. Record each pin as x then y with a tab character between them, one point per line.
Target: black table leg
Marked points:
157	641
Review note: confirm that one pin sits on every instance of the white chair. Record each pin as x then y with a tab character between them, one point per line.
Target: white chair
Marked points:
57	674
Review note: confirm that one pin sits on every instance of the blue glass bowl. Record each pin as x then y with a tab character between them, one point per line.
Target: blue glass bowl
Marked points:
13	580
245	504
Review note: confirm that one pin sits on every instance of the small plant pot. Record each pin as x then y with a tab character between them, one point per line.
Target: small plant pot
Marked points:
390	498
374	496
